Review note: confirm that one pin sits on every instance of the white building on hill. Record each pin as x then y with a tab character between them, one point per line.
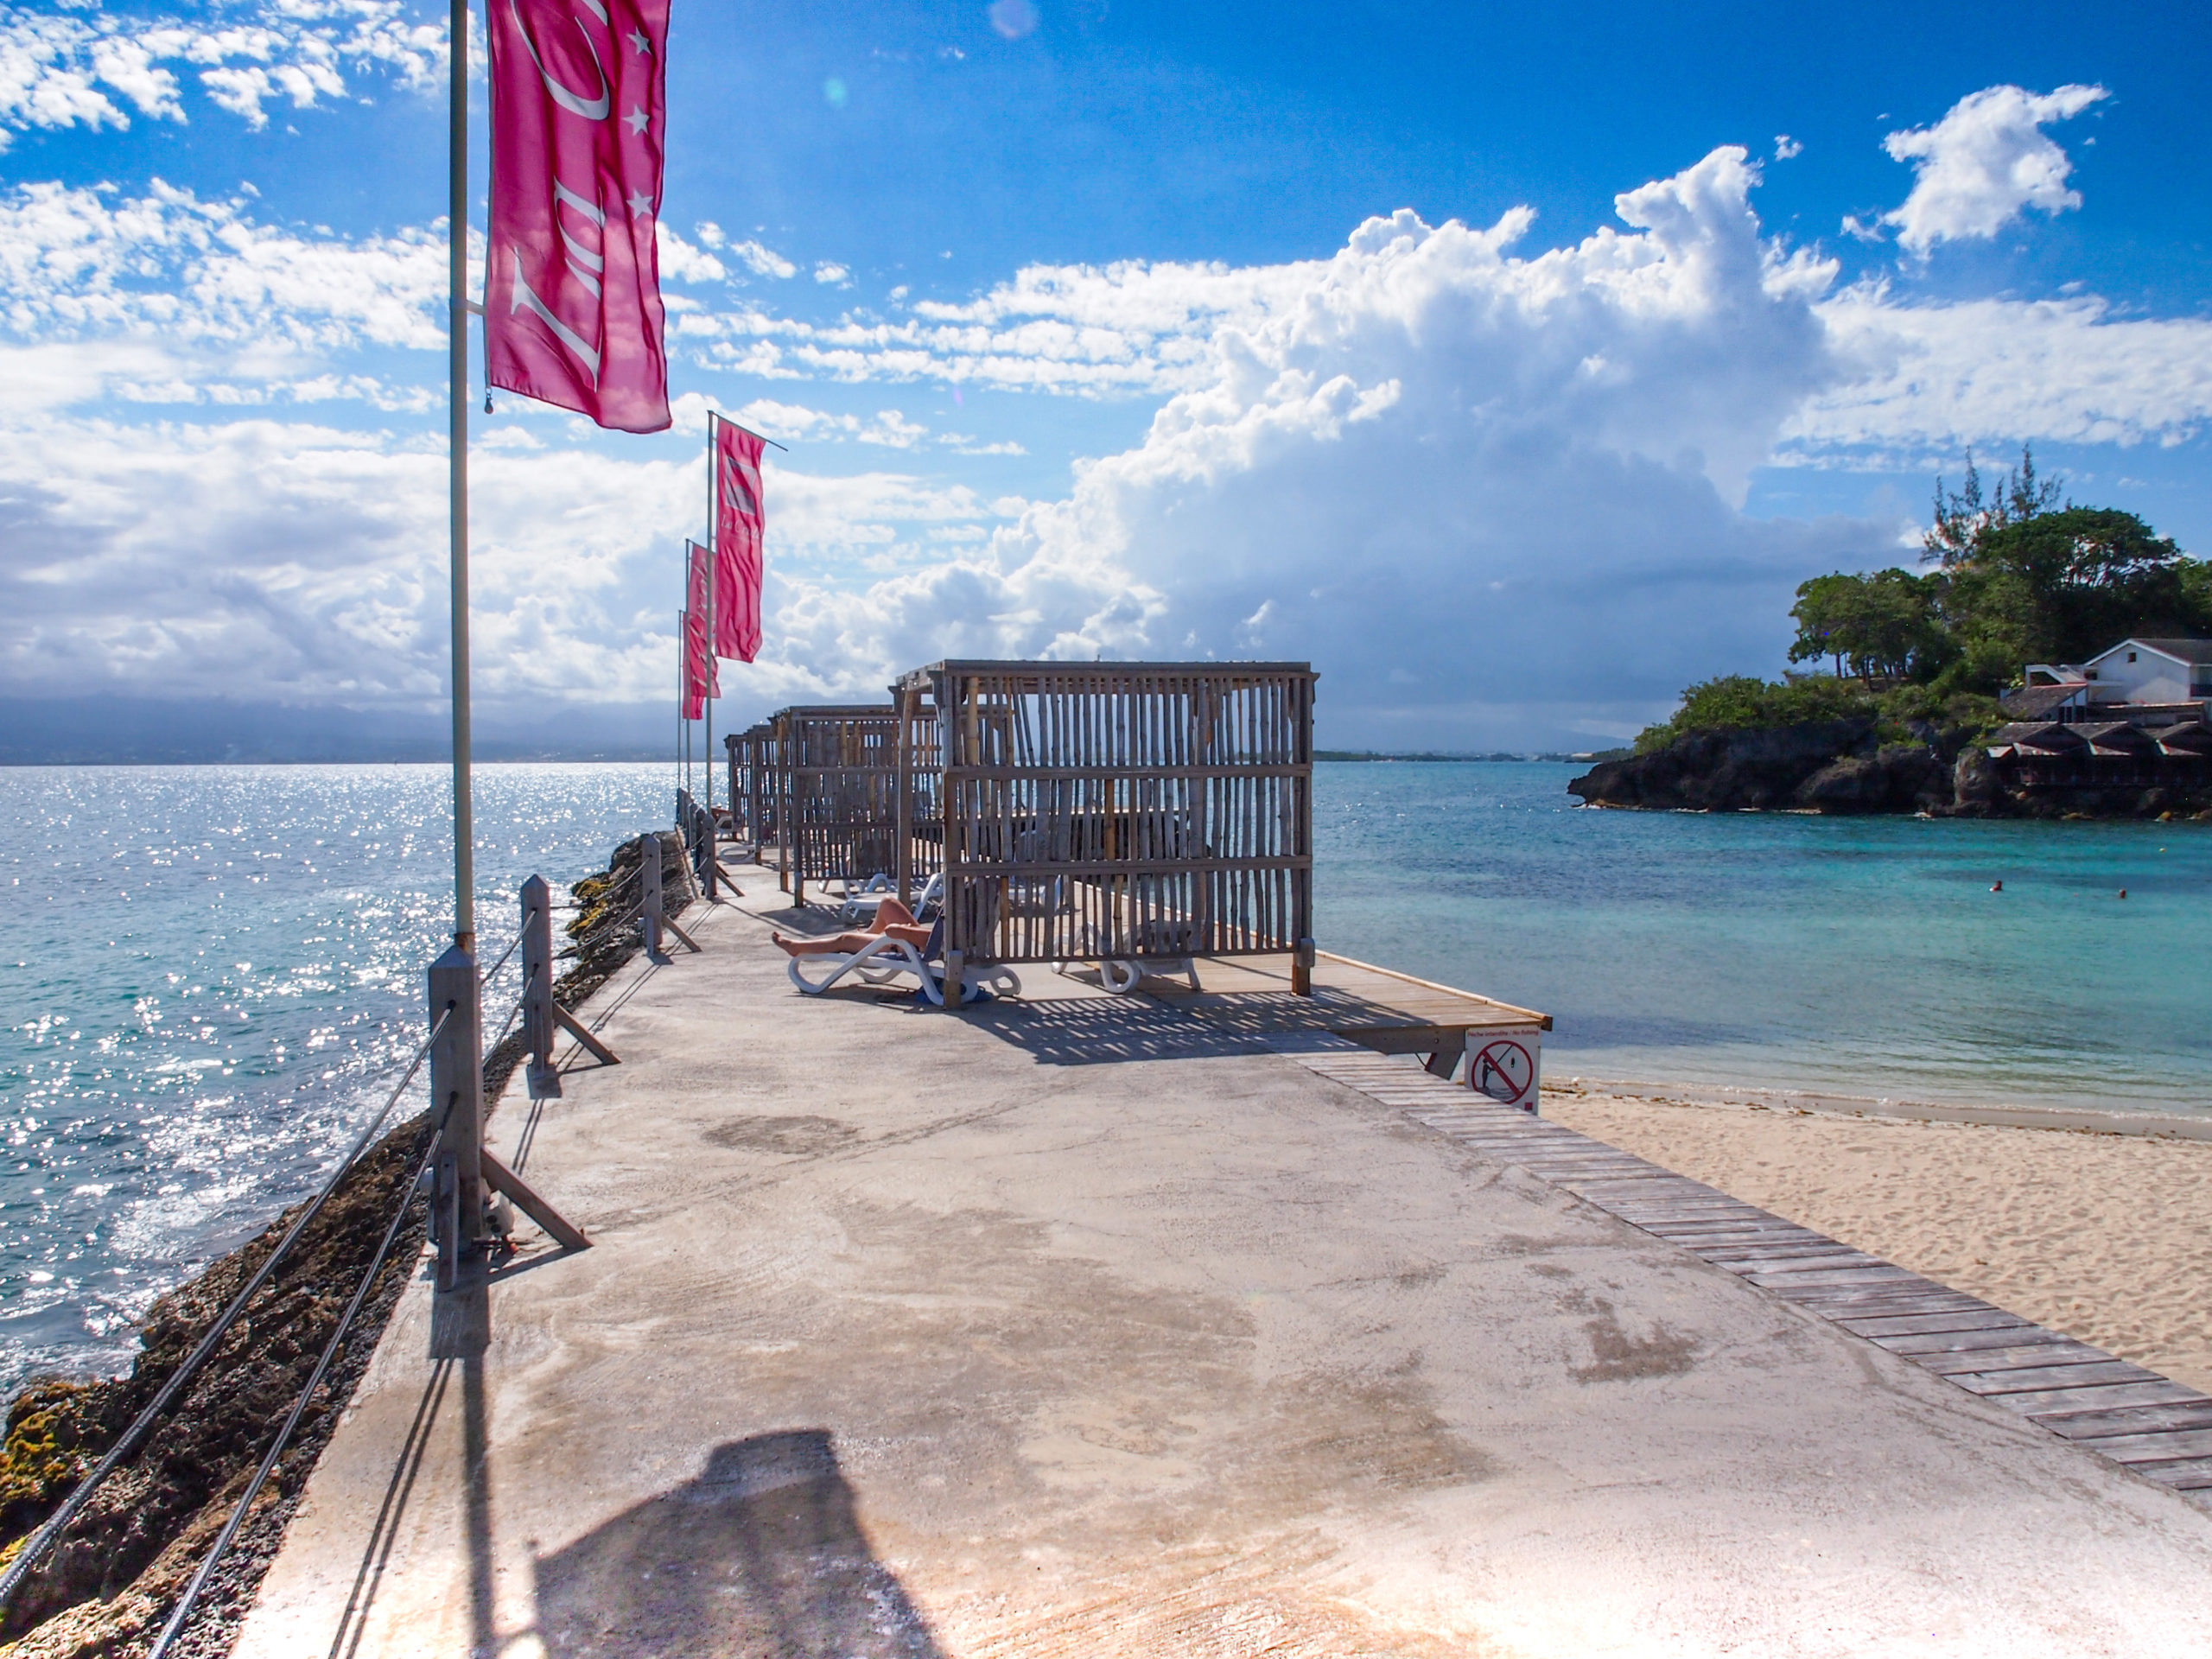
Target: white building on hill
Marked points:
2152	682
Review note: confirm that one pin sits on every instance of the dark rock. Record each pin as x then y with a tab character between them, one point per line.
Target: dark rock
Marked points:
1898	778
1976	788
1723	772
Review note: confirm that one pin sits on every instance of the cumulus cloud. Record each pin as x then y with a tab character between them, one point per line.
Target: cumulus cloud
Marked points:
1493	491
1461	479
1922	380
680	262
165	297
59	70
1986	161
887	428
1131	328
285	561
763	260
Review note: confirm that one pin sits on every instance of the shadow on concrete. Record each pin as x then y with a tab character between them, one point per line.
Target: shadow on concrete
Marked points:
352	1622
761	1555
1105	1030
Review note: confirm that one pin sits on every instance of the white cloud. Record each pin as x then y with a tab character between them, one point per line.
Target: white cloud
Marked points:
828	272
680	262
52	68
1092	331
233	307
1786	148
763	260
1472	481
260	559
1988	159
794	423
1925	378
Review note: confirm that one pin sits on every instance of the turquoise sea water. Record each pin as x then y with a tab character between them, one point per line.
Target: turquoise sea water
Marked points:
1858	956
209	976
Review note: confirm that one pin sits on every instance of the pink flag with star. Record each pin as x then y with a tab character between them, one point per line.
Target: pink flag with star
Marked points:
572	310
741	526
700	677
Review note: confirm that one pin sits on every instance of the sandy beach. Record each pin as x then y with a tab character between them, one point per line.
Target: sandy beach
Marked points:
2099	1235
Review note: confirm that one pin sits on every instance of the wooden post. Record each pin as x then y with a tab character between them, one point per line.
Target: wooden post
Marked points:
457	1097
540	1076
902	830
702	854
729	750
756	812
649	875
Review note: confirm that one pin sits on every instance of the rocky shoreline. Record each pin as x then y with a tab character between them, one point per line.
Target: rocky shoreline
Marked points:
108	1586
1842	766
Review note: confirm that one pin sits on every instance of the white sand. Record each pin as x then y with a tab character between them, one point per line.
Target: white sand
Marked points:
2103	1236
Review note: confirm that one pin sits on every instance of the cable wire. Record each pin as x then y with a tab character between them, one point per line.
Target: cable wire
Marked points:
214	1559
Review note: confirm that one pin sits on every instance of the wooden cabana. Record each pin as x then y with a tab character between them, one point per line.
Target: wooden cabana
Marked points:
1121	812
839	799
753	793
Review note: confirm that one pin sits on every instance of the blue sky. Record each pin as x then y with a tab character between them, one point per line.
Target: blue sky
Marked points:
1101	328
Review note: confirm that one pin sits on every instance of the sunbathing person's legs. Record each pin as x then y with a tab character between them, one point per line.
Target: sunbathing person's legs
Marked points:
838	944
891	917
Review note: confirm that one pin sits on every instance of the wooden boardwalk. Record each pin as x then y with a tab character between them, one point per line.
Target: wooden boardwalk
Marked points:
1386	1012
2155	1428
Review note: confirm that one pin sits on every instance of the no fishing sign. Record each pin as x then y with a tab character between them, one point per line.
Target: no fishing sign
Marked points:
1507	1066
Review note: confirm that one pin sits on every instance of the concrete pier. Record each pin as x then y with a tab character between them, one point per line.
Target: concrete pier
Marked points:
1081	1324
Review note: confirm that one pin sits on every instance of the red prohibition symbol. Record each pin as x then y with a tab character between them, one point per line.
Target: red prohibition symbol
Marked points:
1503	1071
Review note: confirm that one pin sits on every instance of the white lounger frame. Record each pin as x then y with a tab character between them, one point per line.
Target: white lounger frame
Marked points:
887	960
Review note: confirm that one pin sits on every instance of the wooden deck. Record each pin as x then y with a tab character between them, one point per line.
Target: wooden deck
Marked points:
2155	1428
1379	1008
1390	1013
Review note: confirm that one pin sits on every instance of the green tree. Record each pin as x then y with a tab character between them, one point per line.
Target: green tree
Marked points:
1885	624
1962	516
2063	586
2026	577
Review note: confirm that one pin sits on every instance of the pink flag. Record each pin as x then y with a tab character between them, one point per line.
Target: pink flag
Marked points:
572	311
740	522
700	681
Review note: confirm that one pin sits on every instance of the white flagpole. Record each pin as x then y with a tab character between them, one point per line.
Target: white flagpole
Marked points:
464	815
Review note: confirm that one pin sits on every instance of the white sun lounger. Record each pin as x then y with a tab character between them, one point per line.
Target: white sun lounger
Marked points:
887	960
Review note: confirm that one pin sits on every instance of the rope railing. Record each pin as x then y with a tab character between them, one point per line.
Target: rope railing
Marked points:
133	1438
491	973
221	1547
45	1538
514	1013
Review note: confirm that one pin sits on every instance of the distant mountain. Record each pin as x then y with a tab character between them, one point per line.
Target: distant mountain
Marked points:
158	731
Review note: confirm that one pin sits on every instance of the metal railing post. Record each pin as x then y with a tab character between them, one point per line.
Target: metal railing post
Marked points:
457	1097
649	856
540	1076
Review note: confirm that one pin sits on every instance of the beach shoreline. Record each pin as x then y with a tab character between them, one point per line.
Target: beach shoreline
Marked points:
2093	1231
2085	1120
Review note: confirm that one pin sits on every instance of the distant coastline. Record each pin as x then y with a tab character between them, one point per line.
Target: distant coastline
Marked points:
112	731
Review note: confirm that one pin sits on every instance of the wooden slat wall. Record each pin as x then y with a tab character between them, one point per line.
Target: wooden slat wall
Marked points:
751	791
837	775
1125	811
